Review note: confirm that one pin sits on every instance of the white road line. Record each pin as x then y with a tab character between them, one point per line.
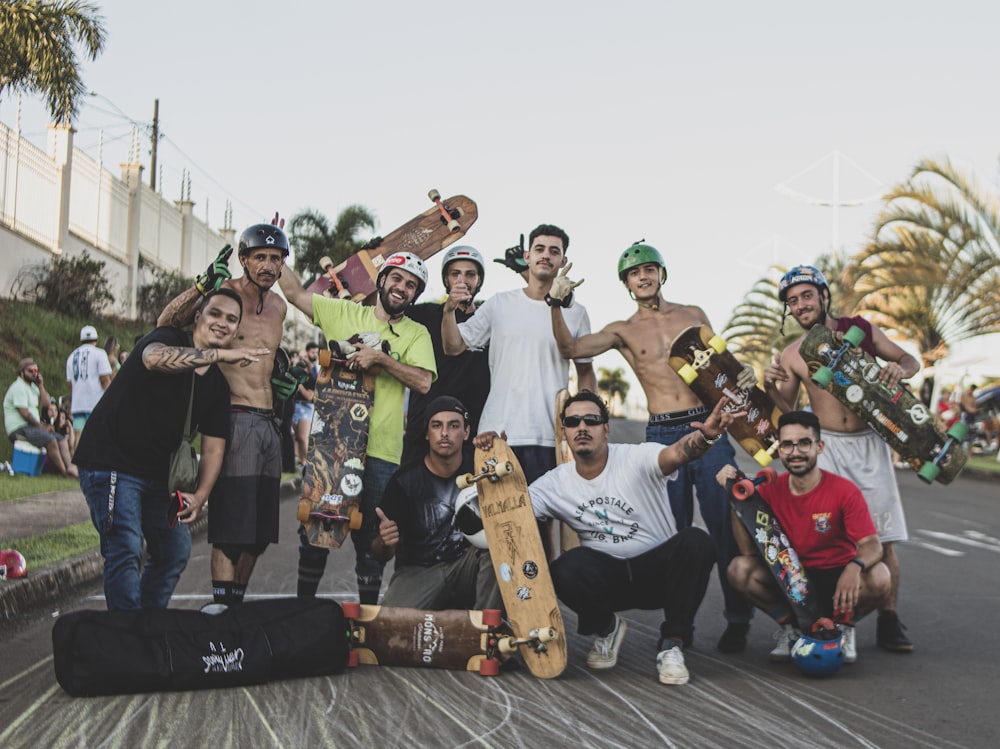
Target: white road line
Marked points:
964	541
938	549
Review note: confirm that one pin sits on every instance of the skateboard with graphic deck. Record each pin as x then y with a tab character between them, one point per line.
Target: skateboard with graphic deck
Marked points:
837	363
423	235
333	481
773	545
518	561
703	362
454	639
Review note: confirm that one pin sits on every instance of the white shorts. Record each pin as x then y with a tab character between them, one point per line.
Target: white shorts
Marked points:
864	458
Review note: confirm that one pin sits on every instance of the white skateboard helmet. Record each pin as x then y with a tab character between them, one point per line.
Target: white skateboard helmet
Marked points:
410	263
468	519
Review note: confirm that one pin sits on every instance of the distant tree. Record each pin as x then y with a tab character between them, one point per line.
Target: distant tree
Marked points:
38	40
157	293
311	237
612	383
76	286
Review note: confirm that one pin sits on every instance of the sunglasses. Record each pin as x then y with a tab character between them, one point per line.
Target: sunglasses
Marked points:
591	420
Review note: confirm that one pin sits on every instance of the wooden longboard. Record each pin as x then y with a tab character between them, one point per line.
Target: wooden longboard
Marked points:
764	528
896	415
453	639
423	235
701	359
568	539
519	560
335	462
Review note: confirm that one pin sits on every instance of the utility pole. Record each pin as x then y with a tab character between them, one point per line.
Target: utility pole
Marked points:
156	139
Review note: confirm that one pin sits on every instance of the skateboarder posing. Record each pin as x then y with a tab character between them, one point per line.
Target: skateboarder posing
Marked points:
244	517
436	566
515	325
125	450
630	555
466	376
410	364
644	340
830	527
852	449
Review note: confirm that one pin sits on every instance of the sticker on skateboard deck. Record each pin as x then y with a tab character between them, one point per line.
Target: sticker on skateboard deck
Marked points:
455	639
443	224
338	444
837	363
703	362
519	561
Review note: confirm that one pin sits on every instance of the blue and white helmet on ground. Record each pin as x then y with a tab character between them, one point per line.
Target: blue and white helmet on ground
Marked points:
468	519
801	274
818	657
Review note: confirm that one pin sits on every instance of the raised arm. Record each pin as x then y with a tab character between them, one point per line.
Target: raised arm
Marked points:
694	445
295	292
899	365
158	357
591	344
781	382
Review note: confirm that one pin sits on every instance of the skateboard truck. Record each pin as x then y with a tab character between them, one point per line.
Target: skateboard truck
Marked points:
493	470
327	265
535	640
852	338
956	435
448	215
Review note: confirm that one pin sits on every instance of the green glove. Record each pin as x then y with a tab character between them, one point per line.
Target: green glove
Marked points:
284	386
216	273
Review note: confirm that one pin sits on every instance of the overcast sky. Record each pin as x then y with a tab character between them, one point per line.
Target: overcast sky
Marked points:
673	122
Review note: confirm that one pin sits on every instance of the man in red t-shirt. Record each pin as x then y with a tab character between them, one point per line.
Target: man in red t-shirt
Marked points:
830	527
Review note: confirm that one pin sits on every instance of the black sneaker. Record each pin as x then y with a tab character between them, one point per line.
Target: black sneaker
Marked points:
889	633
734	639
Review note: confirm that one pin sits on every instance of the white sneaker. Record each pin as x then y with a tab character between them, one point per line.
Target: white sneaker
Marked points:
785	637
670	666
604	653
848	645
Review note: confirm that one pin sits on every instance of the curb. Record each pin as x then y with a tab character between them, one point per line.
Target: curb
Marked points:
49	584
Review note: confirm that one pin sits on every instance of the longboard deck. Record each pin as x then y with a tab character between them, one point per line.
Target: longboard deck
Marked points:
568	539
702	360
896	414
519	561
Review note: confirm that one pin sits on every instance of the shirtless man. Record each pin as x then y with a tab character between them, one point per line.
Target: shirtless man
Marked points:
644	340
852	448
244	516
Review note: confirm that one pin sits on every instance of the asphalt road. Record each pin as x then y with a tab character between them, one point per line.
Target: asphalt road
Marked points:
940	696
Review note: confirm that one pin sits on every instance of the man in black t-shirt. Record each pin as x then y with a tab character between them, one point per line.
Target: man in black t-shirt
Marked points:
466	376
124	451
436	566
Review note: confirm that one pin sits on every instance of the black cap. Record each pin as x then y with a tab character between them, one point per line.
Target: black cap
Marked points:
444	403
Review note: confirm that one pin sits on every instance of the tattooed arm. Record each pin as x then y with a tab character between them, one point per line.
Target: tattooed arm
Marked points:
158	357
180	311
692	446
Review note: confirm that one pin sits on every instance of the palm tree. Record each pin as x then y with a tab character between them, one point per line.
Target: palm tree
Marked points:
932	270
311	236
613	384
37	50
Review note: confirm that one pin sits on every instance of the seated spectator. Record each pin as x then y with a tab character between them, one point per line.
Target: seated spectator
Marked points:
22	406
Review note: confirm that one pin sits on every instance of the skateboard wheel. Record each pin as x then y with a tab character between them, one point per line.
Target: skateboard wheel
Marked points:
352	659
823	623
453	225
464	481
929	471
768	476
303	512
489	667
434	195
325	262
507	645
355	521
959	431
688	373
823	376
492	617
351	609
743	489
763	458
504	469
717	343
854	335
325	357
545	634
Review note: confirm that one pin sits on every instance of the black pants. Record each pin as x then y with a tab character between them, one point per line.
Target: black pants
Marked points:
672	576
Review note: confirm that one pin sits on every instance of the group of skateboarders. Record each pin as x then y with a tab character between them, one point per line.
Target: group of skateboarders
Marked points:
474	371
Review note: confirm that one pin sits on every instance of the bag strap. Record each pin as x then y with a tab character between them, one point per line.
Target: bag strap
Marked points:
188	434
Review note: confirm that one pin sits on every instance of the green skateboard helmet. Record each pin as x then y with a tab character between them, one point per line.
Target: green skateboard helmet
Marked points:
640	253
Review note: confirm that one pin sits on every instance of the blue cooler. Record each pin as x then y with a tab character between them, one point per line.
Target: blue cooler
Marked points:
28	459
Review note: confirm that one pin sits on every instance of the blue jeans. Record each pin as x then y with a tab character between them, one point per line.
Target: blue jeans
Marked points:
712	501
139	511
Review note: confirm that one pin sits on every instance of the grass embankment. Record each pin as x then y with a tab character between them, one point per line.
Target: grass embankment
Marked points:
55	546
988	463
48	338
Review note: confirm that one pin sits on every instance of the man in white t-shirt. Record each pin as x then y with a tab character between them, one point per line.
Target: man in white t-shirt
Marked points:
88	372
526	368
630	554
